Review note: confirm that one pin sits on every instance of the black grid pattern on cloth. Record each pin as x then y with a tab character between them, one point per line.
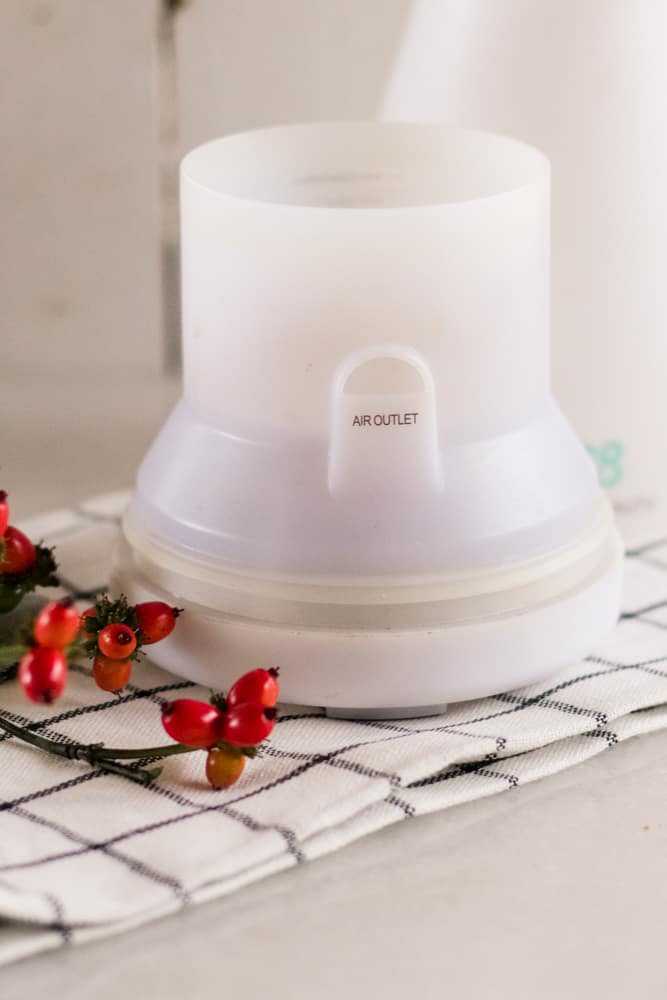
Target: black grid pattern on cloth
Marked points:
70	821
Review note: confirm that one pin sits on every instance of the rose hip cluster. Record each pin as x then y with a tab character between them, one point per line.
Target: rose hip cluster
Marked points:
112	632
43	669
115	631
230	727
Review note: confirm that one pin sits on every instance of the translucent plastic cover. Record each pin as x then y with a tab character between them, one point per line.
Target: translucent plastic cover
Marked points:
366	359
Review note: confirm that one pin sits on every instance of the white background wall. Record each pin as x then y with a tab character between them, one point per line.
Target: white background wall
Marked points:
97	100
79	275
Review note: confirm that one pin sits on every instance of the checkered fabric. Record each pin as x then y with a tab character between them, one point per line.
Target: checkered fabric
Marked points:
84	853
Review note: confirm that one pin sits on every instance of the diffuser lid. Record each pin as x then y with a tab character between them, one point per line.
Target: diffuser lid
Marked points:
307	246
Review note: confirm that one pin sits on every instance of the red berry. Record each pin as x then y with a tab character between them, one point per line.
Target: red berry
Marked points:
19	554
116	641
156	620
247	724
4	512
193	723
111	675
88	613
258	685
56	624
224	767
43	674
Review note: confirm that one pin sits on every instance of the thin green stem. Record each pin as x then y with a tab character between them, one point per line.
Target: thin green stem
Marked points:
141	775
12	654
146	753
97	754
59	749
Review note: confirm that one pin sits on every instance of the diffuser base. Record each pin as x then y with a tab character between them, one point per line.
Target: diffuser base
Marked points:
395	672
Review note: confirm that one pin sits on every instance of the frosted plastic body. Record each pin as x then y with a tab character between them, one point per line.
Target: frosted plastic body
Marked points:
366	360
367	480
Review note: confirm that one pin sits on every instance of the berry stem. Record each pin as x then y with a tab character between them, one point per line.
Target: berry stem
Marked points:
11	654
146	753
98	755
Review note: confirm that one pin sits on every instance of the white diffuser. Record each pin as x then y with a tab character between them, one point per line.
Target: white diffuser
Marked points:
367	481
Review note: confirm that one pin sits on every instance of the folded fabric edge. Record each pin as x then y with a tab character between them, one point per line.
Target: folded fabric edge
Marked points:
22	936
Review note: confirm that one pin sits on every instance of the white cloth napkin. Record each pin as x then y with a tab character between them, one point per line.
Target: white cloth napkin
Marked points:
84	853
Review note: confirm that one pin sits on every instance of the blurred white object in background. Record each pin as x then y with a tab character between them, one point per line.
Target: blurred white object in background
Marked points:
587	83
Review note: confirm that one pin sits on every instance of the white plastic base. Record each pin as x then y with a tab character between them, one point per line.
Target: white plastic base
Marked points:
393	672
